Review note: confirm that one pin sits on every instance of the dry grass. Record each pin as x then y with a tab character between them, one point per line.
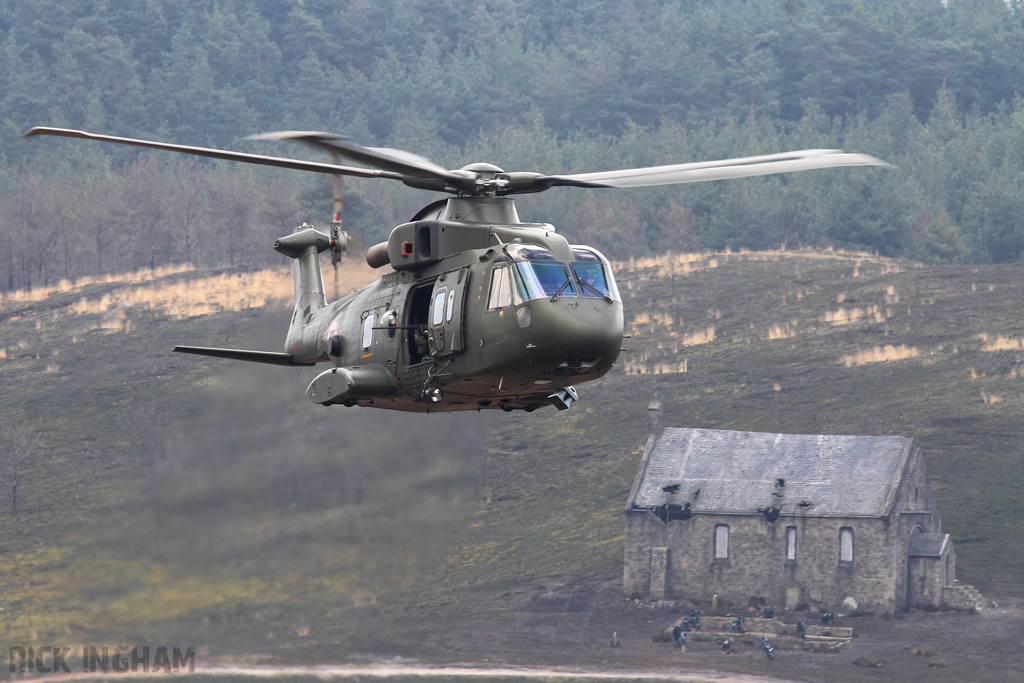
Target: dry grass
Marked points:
989	399
185	299
181	298
645	368
845	316
881	354
782	331
859	258
64	286
702	337
1001	343
662	319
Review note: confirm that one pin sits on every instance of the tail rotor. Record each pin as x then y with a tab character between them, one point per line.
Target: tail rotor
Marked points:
339	238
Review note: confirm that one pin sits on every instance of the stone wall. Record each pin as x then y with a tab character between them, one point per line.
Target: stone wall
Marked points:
676	559
757	566
926	582
913	509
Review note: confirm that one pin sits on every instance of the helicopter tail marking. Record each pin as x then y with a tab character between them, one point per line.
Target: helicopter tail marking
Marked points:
304	245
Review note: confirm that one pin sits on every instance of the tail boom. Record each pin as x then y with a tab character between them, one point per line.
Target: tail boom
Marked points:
304	246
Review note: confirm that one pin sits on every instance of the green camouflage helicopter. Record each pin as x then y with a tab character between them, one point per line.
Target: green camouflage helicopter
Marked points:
480	310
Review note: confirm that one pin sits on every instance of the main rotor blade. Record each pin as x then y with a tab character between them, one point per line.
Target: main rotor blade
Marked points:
703	171
280	162
395	160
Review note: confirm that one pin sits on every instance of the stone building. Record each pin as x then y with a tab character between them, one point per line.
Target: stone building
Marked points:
804	521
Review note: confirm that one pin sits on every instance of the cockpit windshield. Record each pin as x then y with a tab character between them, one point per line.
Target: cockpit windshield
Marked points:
537	274
540	279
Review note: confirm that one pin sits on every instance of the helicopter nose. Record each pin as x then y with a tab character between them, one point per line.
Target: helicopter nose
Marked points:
589	334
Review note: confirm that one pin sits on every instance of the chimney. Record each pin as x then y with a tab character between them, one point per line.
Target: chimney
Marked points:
654	417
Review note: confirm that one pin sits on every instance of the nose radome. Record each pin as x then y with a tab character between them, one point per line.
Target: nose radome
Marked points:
588	334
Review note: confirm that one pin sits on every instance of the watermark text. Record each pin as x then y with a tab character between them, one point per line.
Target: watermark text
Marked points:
55	659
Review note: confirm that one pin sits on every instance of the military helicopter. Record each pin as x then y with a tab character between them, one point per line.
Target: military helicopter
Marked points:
480	309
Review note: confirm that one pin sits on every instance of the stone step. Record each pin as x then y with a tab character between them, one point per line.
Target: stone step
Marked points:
964	596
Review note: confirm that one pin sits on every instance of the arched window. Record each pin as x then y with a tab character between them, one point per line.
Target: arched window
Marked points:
721	542
790	542
846	544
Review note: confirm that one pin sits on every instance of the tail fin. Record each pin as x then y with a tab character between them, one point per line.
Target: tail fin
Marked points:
304	245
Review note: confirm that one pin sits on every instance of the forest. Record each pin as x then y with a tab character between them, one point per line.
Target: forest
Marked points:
932	87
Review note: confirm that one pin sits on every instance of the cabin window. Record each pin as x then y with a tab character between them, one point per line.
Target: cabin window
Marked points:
368	329
721	542
846	544
438	316
451	306
790	542
501	289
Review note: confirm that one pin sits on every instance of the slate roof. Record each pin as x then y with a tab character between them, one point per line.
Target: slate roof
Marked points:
928	545
729	472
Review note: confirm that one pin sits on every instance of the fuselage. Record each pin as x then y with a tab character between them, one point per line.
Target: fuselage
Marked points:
495	315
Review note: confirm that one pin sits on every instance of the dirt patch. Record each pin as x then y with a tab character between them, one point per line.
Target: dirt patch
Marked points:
571	624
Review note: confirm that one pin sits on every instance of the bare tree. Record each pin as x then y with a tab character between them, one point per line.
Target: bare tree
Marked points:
19	442
188	209
149	451
233	192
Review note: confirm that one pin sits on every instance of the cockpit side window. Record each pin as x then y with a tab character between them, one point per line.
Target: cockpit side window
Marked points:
594	274
500	295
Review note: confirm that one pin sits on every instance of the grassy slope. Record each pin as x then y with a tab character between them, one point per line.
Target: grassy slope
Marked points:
563	478
250	531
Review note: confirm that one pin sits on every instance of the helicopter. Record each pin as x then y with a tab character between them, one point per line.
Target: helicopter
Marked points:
480	310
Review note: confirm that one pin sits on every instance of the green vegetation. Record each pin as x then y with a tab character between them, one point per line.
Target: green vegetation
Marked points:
172	497
589	85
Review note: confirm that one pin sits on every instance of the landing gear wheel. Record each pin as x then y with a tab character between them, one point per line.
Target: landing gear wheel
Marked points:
433	395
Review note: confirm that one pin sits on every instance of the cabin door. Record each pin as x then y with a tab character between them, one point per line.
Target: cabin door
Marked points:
446	311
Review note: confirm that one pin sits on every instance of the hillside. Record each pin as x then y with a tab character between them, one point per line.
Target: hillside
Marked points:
174	495
803	342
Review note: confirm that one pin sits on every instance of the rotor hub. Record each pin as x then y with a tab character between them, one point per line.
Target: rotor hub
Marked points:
483	170
485	179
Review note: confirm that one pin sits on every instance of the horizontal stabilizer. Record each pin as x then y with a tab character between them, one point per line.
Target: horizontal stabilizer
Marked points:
268	357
